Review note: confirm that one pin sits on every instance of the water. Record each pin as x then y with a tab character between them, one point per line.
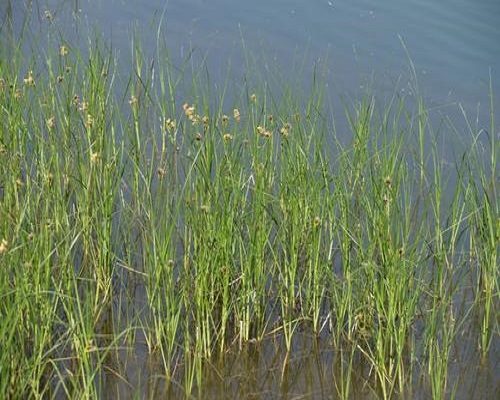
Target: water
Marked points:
453	43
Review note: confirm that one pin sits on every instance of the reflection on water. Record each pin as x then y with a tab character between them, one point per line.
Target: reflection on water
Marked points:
313	370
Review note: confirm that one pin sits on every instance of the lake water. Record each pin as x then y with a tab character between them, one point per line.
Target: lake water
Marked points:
454	45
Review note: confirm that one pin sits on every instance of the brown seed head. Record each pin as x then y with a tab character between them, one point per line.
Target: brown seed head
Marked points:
29	80
236	114
4	245
51	123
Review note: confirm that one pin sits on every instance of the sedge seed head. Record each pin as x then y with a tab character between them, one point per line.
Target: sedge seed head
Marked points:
388	181
189	111
264	132
133	101
63	51
4	246
94	158
236	114
170	125
84	106
195	119
51	123
89	123
285	129
29	80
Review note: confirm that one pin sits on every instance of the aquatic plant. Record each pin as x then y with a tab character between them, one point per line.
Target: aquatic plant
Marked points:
143	216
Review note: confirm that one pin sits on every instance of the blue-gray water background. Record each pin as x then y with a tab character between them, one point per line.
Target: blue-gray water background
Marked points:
454	44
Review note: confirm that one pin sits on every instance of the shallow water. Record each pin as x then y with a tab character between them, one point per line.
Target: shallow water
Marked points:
312	370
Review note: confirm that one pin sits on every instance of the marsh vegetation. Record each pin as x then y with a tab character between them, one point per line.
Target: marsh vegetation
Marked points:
158	236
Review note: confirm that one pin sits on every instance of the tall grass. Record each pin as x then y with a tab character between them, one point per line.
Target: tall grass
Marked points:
149	211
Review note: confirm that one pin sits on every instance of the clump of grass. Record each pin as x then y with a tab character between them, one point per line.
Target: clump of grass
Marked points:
144	210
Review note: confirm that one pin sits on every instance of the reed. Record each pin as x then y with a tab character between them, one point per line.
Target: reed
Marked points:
146	210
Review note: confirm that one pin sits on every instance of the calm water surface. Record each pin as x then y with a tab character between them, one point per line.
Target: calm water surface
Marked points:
454	44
